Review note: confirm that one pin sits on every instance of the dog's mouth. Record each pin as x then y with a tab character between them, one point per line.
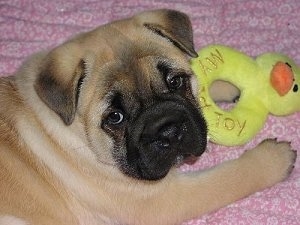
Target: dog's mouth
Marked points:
167	134
188	159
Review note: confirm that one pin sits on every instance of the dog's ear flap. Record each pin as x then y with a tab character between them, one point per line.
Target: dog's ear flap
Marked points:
173	25
58	83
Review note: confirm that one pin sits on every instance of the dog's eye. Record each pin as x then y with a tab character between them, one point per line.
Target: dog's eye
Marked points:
175	82
115	118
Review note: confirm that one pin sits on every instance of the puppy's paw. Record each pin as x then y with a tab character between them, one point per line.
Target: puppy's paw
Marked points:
273	160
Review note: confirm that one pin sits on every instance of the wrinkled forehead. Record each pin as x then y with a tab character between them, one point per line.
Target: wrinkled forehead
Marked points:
136	68
132	73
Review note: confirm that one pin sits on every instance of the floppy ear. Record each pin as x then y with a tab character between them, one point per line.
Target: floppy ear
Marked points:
173	25
59	81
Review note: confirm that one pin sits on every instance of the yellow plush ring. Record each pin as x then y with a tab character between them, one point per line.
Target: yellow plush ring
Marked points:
257	95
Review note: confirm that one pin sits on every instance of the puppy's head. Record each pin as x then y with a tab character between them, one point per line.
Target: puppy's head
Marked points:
130	84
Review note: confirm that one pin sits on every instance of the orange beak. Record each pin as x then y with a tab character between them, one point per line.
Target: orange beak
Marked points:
282	78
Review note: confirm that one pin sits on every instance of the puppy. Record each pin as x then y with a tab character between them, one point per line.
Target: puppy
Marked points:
92	132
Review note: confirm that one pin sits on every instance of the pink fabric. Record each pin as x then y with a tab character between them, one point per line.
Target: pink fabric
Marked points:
254	27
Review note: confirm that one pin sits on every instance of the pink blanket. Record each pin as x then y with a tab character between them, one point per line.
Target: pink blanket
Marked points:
254	27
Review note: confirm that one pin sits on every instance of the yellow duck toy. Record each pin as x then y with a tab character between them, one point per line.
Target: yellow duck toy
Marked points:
267	84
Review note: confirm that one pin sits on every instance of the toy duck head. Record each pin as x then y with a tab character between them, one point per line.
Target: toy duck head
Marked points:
283	94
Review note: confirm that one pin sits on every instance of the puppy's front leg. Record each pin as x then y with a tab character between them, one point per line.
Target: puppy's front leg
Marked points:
191	195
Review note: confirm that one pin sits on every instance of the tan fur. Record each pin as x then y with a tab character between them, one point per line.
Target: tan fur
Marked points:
61	171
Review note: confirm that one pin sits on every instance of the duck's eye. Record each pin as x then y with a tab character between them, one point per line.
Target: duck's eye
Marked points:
289	65
295	88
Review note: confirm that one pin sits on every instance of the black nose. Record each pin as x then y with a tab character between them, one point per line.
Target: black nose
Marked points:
166	132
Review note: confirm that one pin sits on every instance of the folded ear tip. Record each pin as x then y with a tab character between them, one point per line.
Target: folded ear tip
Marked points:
188	48
172	25
193	54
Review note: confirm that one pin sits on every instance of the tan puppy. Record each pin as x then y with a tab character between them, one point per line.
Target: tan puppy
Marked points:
92	132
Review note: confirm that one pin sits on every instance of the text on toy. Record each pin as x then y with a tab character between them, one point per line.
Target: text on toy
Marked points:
229	123
211	62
